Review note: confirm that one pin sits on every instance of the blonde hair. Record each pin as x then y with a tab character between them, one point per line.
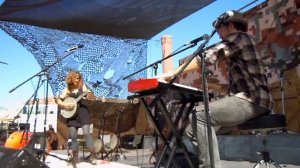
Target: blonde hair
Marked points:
71	76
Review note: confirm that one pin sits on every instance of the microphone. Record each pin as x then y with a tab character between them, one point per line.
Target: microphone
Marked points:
195	41
226	15
222	18
74	48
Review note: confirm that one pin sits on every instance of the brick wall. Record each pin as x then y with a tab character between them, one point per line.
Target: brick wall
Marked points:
275	24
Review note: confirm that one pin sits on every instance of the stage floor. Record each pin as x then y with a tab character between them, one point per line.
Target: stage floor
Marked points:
134	158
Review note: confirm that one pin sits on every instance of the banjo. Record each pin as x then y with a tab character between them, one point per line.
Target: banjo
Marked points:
70	113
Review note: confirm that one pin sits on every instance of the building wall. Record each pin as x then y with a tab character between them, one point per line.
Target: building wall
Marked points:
275	24
37	121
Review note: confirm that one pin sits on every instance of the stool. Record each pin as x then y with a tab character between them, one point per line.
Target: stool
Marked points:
266	121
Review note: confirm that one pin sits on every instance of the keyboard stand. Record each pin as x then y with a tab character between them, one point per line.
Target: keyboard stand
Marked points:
177	124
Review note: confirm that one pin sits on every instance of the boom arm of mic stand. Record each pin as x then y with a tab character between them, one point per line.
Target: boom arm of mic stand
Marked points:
159	61
198	51
43	70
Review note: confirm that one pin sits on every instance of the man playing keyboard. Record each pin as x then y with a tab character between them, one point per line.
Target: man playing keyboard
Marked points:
247	92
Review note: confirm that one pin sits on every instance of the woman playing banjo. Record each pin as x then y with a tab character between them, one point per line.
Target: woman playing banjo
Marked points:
81	118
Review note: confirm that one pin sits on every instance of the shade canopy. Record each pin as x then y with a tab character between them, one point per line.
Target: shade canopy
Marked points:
119	18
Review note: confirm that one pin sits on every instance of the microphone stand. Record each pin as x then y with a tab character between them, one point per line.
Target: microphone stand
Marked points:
3	63
43	72
46	113
29	148
199	52
155	66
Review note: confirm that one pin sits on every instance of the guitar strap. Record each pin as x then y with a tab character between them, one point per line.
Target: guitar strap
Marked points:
82	102
75	95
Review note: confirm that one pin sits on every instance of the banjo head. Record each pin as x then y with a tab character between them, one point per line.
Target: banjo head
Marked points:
69	113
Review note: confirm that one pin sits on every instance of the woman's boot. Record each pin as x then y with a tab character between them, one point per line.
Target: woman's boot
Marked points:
93	157
75	156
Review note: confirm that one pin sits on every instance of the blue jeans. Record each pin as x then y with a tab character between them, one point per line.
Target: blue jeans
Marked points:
73	131
225	114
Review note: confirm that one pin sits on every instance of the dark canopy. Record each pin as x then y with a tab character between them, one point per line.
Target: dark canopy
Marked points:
119	18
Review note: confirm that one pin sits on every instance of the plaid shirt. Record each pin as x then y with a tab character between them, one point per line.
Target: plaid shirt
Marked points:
247	77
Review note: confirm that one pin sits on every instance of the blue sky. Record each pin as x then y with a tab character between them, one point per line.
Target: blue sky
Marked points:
22	65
